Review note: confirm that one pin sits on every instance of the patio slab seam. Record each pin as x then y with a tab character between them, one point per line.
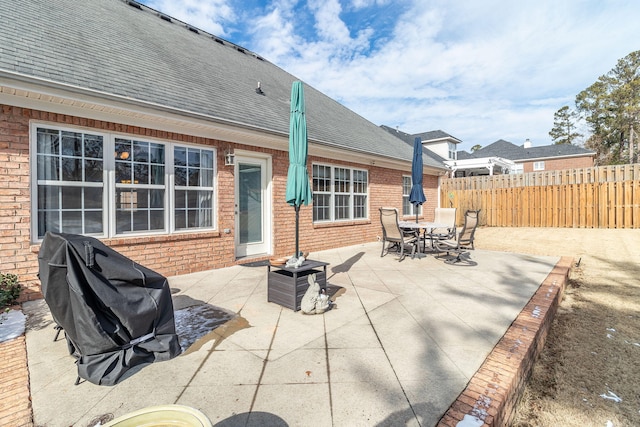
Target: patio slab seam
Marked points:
492	393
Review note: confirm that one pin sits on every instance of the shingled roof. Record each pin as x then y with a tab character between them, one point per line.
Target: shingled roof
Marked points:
124	52
432	135
508	150
409	139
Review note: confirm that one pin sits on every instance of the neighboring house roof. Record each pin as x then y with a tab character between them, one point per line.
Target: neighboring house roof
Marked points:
462	155
556	150
519	154
437	135
409	139
134	56
430	136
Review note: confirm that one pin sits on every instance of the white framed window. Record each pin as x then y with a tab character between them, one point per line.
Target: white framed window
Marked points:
321	193
140	188
339	193
360	193
194	190
408	208
69	182
79	187
538	166
452	151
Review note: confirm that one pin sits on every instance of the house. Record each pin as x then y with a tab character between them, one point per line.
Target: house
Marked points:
507	157
171	144
445	146
439	146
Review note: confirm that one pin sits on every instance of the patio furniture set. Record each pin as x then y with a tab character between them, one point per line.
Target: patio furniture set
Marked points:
287	285
441	234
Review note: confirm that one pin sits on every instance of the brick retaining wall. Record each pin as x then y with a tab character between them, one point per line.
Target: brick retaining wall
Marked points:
15	399
494	391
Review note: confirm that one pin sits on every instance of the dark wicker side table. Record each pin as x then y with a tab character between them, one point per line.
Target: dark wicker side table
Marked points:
286	285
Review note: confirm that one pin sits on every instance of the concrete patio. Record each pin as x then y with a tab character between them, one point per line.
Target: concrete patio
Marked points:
399	346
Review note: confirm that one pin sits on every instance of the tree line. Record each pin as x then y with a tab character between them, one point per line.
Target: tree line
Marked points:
610	108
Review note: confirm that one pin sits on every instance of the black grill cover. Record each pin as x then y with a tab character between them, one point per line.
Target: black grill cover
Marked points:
116	314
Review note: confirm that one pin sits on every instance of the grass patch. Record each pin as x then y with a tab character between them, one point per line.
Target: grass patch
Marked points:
588	372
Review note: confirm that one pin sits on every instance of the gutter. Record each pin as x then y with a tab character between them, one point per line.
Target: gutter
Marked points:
49	88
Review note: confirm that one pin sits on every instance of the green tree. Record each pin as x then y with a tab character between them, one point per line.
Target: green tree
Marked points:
476	148
564	126
611	108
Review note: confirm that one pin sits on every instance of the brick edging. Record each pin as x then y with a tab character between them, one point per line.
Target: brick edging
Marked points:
15	409
494	390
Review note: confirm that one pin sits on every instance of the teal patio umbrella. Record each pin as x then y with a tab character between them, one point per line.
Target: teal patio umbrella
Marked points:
416	197
298	188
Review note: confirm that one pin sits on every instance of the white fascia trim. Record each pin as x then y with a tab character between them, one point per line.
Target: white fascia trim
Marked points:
447	138
78	102
93	105
366	160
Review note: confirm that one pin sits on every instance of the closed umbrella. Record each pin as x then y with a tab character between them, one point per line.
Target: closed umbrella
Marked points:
298	188
416	197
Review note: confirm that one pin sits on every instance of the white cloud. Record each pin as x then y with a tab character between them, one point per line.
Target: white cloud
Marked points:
210	15
479	70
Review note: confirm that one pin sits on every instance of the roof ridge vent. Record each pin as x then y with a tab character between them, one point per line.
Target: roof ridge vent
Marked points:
165	17
193	29
134	4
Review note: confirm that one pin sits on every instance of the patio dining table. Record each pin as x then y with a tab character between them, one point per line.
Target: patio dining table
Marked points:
425	226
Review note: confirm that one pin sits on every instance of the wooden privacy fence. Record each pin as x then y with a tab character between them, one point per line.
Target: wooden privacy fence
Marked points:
598	197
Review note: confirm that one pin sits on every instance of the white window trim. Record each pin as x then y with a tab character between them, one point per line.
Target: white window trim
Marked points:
332	193
108	183
538	166
412	208
452	151
173	189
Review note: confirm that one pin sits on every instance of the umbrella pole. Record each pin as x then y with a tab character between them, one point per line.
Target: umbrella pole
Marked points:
297	254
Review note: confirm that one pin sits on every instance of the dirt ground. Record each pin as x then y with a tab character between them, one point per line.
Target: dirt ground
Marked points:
589	371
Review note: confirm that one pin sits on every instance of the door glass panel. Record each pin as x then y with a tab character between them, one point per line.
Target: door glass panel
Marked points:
250	203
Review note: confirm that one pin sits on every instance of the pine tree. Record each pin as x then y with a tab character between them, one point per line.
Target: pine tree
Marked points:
611	108
564	126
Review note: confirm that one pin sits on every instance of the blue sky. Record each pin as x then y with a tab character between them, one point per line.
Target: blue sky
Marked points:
480	70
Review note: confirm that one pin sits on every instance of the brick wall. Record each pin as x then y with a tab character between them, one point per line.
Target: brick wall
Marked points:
188	252
561	163
15	254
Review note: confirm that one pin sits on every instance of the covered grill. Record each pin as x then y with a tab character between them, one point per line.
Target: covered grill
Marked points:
116	314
